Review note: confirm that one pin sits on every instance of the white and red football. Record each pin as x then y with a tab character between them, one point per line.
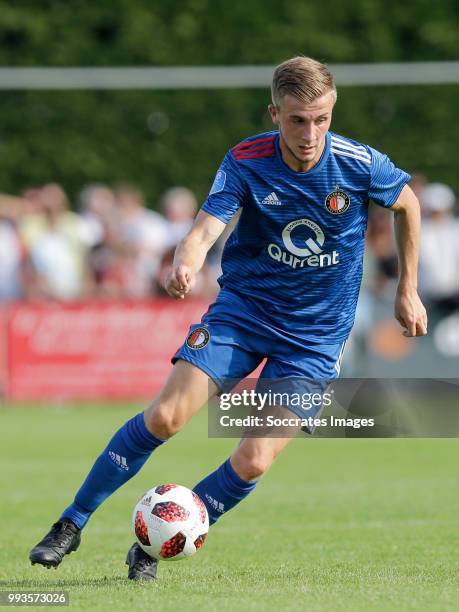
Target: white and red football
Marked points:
170	522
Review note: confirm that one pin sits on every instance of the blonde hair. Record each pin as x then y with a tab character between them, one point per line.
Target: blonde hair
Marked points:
303	78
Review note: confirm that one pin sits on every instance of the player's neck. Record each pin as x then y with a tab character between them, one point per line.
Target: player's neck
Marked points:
294	162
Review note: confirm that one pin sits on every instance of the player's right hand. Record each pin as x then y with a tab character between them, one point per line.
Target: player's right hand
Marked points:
179	281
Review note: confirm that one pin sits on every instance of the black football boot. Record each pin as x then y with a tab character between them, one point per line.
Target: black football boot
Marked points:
63	538
141	565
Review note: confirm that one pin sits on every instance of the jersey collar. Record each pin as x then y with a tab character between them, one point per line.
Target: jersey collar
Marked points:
316	168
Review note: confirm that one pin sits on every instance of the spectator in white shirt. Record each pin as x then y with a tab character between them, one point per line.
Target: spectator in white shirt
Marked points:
439	249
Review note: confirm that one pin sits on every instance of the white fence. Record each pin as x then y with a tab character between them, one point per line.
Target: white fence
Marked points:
219	77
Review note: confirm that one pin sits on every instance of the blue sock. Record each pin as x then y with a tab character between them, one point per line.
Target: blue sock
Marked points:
222	490
125	454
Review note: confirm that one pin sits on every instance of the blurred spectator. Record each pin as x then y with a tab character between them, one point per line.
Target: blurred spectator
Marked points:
417	183
32	219
57	242
11	207
439	250
179	206
143	240
11	251
98	208
380	239
10	262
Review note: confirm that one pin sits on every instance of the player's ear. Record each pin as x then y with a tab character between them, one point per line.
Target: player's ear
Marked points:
274	112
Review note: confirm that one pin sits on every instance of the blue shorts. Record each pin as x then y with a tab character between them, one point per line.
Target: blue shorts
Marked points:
230	343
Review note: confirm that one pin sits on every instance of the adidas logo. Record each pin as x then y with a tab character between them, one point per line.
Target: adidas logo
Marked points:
272	199
215	504
120	461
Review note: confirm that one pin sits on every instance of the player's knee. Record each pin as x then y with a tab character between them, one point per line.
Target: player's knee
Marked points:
162	420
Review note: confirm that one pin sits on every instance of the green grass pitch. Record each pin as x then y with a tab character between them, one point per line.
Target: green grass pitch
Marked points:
335	525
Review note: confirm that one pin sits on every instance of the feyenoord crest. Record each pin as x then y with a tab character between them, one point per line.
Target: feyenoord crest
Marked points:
198	338
337	201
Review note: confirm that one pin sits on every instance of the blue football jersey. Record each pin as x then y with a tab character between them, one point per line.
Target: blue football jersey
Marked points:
296	252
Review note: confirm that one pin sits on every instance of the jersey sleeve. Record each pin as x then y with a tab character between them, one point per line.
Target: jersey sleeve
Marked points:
227	192
386	180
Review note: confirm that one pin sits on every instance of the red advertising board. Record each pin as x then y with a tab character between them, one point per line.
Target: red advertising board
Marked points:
95	350
3	352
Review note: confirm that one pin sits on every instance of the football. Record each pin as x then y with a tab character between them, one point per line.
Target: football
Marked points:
170	522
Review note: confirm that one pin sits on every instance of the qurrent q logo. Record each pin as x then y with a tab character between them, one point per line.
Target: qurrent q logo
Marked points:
309	254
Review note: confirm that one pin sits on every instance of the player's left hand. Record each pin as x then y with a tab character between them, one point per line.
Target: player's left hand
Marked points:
410	312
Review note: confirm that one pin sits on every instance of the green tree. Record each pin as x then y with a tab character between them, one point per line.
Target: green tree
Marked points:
157	139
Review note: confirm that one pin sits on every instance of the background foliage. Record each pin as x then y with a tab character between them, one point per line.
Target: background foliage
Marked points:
157	139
